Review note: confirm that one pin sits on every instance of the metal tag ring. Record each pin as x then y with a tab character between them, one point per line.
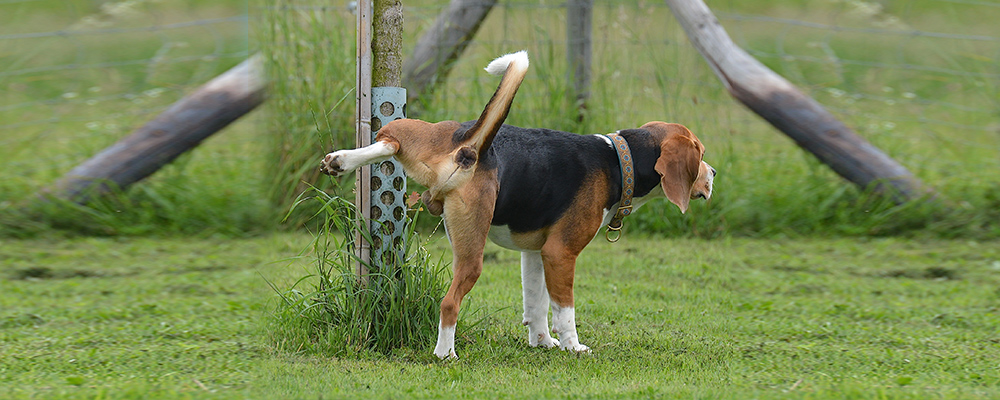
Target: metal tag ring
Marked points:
618	231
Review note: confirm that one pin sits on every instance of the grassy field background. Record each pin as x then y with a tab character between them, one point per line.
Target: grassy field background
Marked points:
788	284
730	318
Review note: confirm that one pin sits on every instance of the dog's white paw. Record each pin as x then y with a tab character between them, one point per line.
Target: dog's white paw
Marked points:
445	348
576	348
448	354
544	341
332	164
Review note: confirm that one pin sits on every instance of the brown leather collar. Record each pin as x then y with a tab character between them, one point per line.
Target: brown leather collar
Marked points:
628	186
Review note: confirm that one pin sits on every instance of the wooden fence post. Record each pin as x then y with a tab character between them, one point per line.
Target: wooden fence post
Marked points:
362	137
579	14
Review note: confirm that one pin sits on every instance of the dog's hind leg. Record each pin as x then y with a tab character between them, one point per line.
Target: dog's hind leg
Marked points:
467	244
536	300
467	214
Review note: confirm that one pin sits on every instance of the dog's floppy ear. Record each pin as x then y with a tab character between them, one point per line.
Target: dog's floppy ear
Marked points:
680	158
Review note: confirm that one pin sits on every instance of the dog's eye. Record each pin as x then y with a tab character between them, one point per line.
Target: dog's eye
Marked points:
713	172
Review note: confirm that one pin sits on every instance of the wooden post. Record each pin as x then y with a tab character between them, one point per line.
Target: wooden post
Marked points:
794	113
579	14
442	44
362	138
180	128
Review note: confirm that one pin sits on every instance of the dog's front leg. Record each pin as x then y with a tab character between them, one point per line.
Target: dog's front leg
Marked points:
536	300
342	161
564	324
560	267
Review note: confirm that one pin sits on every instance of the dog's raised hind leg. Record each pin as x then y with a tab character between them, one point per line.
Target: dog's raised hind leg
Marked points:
342	161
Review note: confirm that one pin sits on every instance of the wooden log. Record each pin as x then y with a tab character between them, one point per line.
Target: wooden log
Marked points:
442	44
793	112
178	129
579	16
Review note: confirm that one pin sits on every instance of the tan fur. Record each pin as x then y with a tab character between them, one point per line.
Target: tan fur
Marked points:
481	134
530	240
425	150
570	234
468	212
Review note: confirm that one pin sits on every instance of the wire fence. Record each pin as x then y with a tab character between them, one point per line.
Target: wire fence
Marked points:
924	71
935	57
919	78
105	66
149	41
956	49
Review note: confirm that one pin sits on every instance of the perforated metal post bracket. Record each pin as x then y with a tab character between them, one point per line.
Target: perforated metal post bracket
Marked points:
388	183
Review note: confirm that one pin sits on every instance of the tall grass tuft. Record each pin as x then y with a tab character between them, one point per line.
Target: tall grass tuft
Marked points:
340	315
310	57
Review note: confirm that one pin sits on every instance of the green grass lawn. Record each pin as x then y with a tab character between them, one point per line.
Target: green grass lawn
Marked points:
730	318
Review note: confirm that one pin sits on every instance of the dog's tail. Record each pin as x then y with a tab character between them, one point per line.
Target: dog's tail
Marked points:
513	67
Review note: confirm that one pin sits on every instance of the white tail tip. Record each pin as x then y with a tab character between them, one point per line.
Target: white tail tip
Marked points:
499	66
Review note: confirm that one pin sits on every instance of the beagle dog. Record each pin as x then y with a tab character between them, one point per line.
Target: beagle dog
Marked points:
539	191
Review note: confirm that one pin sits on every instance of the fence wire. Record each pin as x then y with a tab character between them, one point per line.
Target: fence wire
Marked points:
925	73
82	38
900	69
935	58
103	67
